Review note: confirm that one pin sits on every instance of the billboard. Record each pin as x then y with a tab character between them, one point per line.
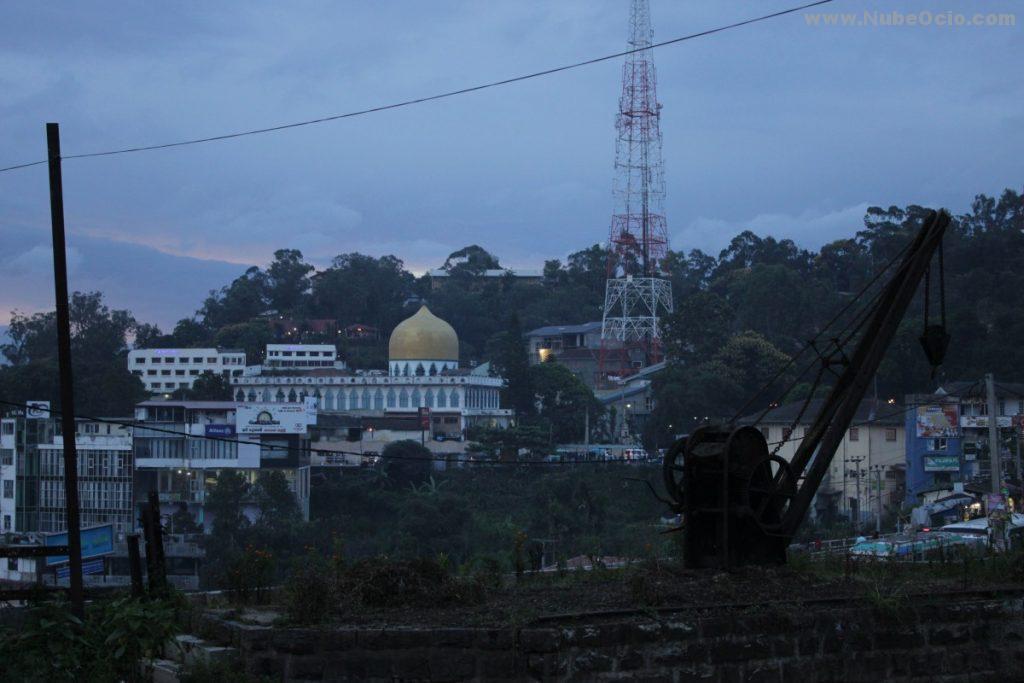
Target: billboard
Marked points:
97	541
219	430
938	421
273	418
941	463
981	421
37	410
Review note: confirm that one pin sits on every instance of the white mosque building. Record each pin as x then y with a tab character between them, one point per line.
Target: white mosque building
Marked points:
423	372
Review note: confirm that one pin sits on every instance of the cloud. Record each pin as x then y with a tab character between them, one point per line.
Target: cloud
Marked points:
809	229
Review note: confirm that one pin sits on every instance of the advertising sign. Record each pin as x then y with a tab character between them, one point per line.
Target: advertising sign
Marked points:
938	421
219	430
424	418
981	421
97	541
37	410
272	418
941	463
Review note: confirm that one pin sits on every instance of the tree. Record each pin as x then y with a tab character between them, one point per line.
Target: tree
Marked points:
208	386
699	327
275	501
251	337
243	299
182	521
148	336
288	280
472	260
562	401
225	504
362	289
513	364
99	348
406	462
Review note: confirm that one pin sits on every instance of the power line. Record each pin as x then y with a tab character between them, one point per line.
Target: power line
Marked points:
430	98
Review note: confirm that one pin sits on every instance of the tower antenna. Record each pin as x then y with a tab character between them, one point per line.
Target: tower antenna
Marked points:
637	295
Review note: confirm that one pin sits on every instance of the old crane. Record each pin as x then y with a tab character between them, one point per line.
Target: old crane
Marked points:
741	503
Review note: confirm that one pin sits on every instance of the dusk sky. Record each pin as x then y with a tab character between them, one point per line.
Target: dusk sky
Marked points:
780	127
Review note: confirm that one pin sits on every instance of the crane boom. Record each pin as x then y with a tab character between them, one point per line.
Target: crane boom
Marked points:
742	504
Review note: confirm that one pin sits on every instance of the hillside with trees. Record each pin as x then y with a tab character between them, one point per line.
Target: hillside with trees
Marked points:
739	315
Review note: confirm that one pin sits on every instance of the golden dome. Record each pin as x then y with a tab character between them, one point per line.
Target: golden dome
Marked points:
423	336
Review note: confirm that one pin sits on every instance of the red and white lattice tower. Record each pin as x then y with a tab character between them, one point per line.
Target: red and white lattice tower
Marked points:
636	294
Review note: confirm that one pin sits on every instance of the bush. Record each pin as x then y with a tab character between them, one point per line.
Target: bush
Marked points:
54	645
408	583
310	594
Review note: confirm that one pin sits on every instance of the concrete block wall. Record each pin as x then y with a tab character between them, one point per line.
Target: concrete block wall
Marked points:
974	640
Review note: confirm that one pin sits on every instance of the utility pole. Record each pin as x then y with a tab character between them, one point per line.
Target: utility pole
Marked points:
856	460
878	492
67	395
994	446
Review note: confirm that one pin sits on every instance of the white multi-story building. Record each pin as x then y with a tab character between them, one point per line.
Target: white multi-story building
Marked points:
867	475
167	370
302	356
423	377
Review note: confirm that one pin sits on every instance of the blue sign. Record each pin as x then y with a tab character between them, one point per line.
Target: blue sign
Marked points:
220	430
90	567
97	541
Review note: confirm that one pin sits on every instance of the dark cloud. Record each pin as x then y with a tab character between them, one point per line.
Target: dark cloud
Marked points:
781	127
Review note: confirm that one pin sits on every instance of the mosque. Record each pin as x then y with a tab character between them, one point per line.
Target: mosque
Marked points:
423	373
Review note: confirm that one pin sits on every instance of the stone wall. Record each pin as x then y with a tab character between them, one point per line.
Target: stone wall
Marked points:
960	640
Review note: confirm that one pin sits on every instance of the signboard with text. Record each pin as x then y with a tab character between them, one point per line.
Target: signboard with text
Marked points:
37	410
941	463
981	421
219	430
97	541
272	418
938	421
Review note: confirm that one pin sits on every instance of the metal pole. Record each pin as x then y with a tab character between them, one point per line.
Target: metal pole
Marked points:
878	492
994	447
67	396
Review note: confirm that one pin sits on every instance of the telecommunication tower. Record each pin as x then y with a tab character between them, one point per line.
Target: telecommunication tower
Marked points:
636	295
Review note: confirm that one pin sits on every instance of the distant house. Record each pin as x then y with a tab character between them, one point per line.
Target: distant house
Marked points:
440	276
359	331
577	347
291	327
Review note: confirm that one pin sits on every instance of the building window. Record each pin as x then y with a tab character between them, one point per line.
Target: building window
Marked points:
140	361
180	373
786	433
8	488
854	434
211	361
6	456
7	522
12	564
165	372
157	360
766	431
8	428
197	360
890	434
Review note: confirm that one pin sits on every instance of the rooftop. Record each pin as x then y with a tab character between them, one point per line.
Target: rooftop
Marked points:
582	328
877	412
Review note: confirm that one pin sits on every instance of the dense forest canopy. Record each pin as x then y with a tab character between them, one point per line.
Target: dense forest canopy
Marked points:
739	315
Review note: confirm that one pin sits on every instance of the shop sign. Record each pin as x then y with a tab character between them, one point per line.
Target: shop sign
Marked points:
981	421
941	463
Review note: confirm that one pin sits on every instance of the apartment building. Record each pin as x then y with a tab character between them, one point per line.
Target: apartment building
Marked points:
163	371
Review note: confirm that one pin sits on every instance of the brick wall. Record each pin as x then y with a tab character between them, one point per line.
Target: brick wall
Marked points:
973	640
